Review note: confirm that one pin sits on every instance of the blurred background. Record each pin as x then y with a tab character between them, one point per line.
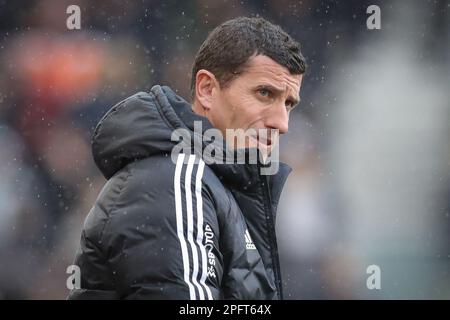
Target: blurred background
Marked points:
369	143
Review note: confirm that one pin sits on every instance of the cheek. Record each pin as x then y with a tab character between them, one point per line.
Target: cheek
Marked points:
243	108
223	111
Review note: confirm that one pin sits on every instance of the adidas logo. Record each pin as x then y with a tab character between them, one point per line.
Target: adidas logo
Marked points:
248	240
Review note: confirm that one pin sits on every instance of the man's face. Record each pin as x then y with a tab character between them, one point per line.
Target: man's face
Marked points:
259	98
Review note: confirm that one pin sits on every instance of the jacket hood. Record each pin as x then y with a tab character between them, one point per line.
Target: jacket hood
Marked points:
135	128
142	125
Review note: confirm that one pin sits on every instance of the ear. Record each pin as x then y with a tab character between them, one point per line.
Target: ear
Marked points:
205	85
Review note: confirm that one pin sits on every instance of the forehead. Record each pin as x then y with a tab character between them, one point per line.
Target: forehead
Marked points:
262	68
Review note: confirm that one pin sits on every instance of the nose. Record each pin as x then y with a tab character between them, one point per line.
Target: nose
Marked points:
278	119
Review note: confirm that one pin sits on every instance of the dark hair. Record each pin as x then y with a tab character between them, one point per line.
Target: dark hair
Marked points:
229	46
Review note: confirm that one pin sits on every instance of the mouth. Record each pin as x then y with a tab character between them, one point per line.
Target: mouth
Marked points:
265	140
262	141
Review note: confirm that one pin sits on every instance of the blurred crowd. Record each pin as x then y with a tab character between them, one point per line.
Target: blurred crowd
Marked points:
369	143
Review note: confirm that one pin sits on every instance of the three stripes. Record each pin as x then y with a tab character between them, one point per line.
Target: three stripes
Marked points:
196	245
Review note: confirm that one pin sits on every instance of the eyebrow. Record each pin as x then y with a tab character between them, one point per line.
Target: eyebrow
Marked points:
277	90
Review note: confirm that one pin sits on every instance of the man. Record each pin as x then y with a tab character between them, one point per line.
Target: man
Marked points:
173	227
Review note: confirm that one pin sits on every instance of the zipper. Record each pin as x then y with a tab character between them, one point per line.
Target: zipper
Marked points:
272	236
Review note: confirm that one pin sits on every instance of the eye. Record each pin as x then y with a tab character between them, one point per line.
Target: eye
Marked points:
264	92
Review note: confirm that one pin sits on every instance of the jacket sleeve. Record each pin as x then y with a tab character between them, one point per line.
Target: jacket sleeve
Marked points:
161	239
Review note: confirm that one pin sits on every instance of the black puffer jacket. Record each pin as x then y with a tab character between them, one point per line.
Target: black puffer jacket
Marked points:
184	230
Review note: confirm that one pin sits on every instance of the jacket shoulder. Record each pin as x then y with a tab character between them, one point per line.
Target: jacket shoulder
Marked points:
144	182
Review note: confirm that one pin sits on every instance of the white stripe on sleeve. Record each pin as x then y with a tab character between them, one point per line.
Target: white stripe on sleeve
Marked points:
179	216
190	221
198	195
